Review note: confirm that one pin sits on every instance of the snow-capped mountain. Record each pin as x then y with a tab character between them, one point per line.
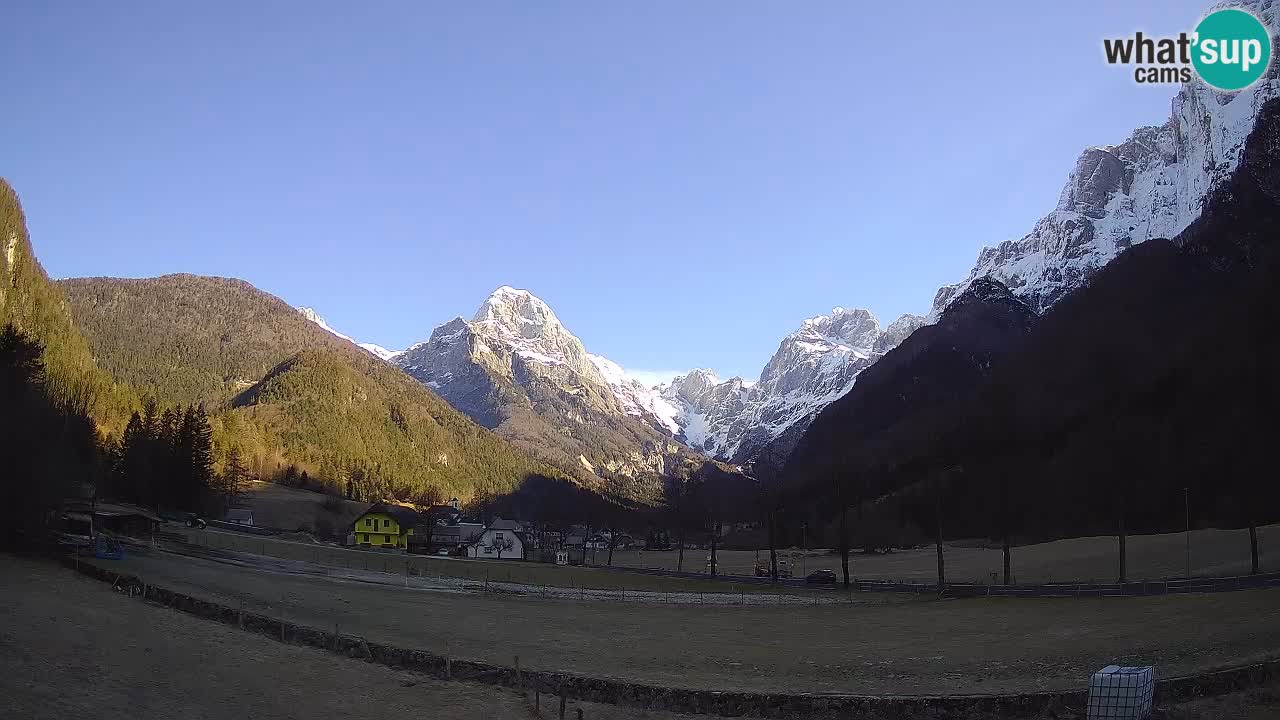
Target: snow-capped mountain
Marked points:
313	316
381	352
1152	185
635	398
812	367
514	364
515	368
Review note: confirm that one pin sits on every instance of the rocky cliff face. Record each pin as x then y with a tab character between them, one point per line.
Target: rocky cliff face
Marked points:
516	369
1152	185
812	367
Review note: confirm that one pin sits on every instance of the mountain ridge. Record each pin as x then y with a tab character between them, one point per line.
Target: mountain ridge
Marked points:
515	368
285	390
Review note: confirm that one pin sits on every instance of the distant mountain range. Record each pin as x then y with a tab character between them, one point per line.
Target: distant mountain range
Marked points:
1142	399
287	388
515	368
284	392
1154	184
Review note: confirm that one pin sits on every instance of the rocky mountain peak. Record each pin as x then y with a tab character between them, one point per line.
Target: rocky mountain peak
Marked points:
518	312
692	384
311	314
855	327
1151	185
898	331
990	299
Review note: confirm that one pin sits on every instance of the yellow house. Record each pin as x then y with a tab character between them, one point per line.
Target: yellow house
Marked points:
385	526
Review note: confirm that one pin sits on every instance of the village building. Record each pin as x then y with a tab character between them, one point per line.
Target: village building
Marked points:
500	540
240	516
387	526
451	539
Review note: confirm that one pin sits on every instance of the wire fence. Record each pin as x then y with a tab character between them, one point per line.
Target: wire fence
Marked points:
666	586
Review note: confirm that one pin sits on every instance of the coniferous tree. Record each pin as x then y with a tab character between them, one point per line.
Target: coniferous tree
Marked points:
234	477
47	445
194	449
129	475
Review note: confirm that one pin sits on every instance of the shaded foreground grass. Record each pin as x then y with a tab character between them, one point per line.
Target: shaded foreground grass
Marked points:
900	645
73	648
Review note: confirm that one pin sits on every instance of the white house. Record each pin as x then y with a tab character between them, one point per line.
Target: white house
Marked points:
502	539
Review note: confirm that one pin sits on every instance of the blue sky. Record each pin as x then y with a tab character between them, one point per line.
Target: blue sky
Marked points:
681	182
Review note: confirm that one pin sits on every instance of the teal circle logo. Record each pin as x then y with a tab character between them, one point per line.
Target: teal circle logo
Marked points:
1232	49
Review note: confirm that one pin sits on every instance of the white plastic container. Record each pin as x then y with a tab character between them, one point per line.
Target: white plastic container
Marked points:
1121	693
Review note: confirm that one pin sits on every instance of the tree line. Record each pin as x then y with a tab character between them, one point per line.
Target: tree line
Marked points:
165	459
47	443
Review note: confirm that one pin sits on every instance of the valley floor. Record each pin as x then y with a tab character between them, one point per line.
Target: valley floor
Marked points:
70	647
1150	557
903	645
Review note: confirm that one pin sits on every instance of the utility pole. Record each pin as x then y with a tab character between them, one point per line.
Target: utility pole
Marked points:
804	550
937	511
1186	504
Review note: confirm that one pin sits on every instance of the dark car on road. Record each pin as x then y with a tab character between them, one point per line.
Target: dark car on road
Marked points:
821	577
189	519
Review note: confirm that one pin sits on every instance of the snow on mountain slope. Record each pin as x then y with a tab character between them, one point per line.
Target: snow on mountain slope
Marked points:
520	323
313	316
515	368
381	352
635	398
1152	185
812	367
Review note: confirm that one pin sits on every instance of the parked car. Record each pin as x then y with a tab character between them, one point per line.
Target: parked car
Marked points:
824	576
189	519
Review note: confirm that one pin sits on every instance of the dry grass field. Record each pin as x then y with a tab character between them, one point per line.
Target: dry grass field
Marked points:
285	508
72	648
1151	557
478	570
897	645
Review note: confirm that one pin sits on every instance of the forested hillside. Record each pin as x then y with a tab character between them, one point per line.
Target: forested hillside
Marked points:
51	392
189	338
37	307
286	393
